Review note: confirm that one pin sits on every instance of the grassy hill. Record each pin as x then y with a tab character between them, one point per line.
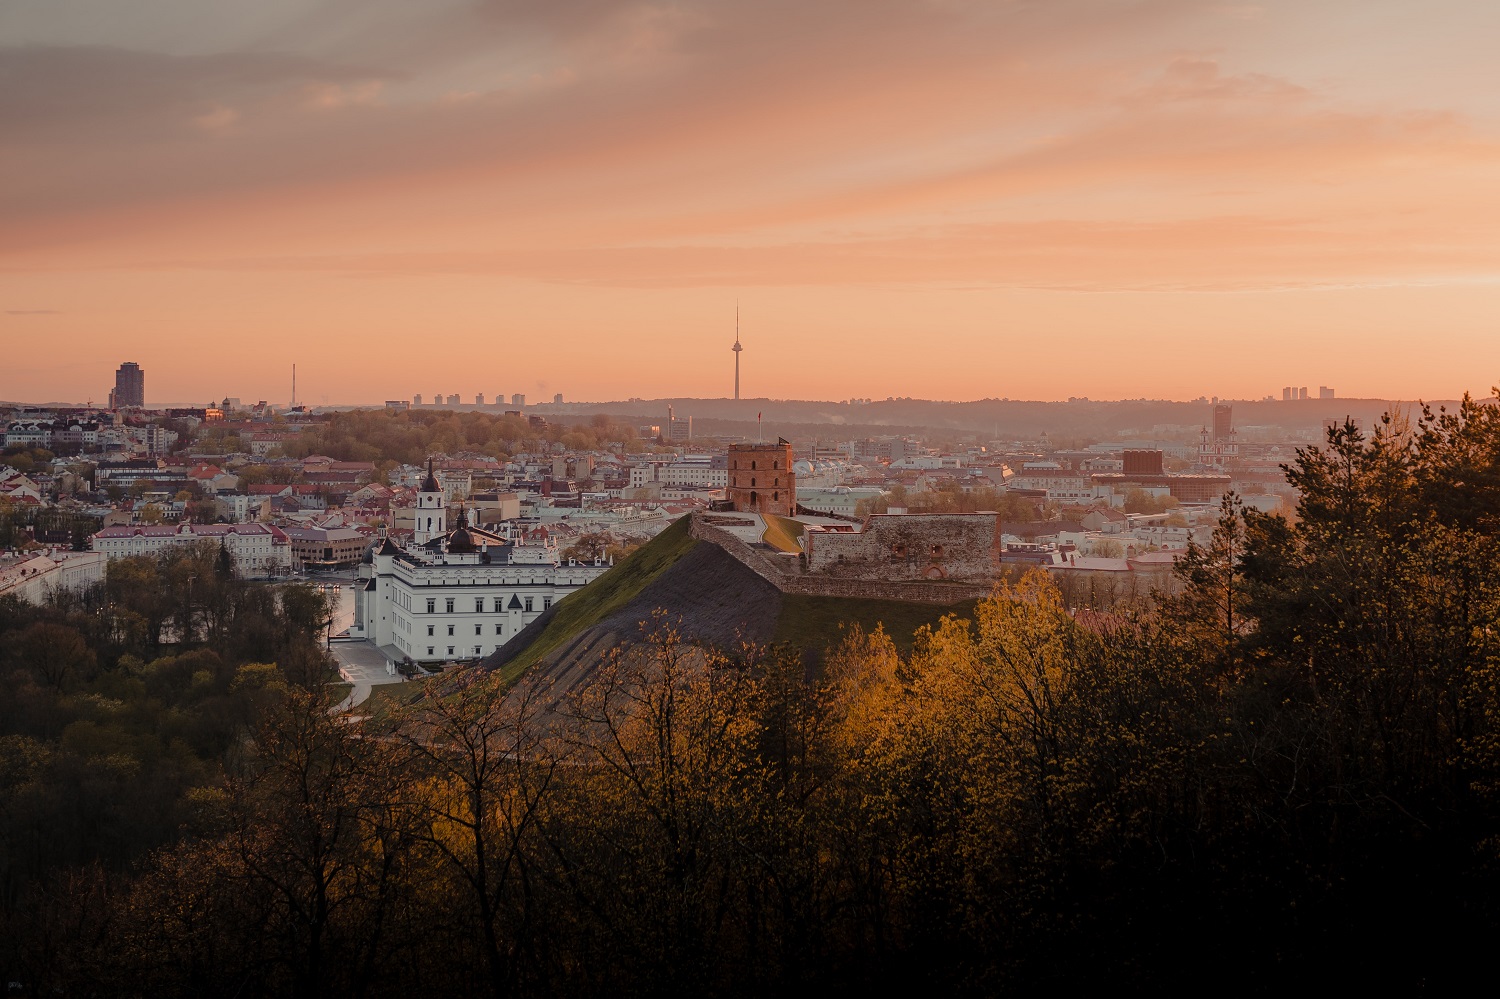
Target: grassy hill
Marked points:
709	596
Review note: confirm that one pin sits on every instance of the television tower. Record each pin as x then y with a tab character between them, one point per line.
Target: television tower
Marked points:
736	348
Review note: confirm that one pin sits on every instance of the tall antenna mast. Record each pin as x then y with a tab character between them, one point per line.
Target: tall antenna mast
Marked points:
294	386
737	348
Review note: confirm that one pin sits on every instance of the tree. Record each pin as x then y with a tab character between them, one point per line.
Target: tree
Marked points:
486	772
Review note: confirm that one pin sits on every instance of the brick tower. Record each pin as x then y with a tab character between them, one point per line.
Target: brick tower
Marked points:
761	479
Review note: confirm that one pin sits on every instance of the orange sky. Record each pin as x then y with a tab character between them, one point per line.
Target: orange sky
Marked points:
948	199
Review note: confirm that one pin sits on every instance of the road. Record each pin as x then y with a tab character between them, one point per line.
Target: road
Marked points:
363	665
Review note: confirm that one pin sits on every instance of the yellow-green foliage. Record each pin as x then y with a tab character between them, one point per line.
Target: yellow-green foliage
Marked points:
783	533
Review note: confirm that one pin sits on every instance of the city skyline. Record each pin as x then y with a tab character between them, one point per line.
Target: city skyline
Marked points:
943	200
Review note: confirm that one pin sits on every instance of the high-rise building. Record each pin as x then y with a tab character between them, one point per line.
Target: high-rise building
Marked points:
453	399
1324	392
1223	422
416	400
479	399
1288	393
1302	392
557	399
519	399
130	387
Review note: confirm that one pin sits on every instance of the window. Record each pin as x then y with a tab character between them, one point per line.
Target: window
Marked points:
477	649
429	650
546	602
429	631
479	629
499	629
479	605
499	604
450	605
528	605
431	605
450	630
752	464
450	650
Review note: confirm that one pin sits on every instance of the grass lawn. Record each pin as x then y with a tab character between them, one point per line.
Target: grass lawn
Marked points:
782	533
813	622
605	595
386	698
340	690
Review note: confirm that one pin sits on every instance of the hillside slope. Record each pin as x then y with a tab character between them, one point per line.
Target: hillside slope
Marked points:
709	597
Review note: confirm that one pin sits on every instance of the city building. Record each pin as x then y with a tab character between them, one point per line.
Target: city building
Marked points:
710	471
761	479
326	548
1324	392
36	575
678	428
416	400
479	399
557	399
462	593
258	549
1217	447
130	387
519	399
453	399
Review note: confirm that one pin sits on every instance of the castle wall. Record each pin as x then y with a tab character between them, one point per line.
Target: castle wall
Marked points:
895	547
786	575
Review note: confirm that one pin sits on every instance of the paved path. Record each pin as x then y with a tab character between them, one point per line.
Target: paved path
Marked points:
362	664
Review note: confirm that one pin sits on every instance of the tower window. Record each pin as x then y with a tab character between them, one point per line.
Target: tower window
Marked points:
429	631
450	631
479	629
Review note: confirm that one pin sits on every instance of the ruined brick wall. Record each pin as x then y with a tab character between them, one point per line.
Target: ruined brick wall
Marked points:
784	573
896	547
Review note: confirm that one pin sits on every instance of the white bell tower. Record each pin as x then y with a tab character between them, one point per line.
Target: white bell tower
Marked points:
431	515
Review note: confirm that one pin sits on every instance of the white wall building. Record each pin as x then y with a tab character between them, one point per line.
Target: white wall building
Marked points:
33	577
694	470
460	594
258	549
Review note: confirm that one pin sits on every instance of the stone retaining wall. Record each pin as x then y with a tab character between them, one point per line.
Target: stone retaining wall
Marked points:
766	566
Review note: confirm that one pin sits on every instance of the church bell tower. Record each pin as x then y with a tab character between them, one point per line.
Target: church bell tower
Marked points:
431	516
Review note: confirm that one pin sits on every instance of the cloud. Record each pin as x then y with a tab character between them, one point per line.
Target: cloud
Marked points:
1078	144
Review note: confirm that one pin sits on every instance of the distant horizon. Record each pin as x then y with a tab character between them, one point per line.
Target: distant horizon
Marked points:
946	200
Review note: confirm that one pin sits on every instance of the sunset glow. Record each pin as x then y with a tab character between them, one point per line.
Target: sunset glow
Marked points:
934	198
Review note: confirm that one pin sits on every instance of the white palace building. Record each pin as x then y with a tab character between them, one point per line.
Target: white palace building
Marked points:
458	594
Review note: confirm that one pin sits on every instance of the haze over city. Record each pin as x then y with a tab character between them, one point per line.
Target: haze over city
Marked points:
737	498
946	200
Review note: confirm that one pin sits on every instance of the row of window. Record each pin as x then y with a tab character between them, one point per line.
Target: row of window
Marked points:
449	603
478	630
478	650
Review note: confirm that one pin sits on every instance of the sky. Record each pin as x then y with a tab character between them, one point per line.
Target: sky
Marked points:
947	199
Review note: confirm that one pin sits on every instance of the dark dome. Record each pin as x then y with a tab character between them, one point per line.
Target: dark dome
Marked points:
459	542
